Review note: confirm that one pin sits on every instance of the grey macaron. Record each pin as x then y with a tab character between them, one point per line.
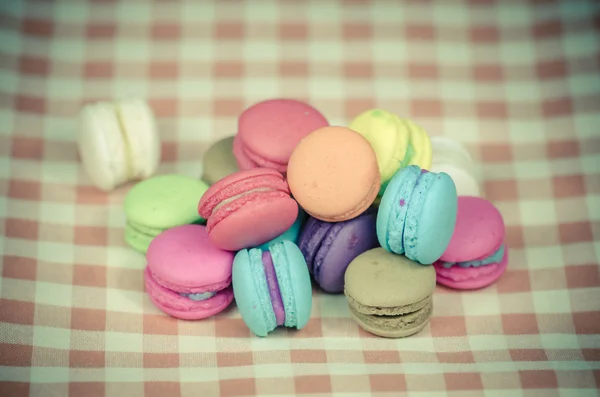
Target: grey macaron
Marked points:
389	295
218	161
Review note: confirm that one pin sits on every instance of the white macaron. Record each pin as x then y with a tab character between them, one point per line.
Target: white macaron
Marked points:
452	157
118	142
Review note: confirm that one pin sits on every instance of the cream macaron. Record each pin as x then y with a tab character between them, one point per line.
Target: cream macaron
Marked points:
118	142
451	157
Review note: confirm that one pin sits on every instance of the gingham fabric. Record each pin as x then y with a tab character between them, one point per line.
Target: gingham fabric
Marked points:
517	81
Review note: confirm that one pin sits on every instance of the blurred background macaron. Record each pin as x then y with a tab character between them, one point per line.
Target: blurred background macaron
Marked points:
269	131
118	142
397	142
158	204
451	157
218	161
333	174
417	214
329	247
272	288
477	255
186	276
389	295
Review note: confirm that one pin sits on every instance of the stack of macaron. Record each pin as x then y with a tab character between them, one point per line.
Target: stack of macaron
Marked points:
377	210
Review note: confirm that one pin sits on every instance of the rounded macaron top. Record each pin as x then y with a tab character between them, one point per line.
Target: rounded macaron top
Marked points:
183	259
218	161
378	278
271	129
333	174
164	201
239	183
479	230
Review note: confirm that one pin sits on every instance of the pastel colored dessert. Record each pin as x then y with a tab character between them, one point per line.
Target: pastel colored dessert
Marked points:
330	247
389	295
218	161
451	157
477	255
272	288
248	208
160	203
187	277
269	131
333	174
289	235
118	142
417	214
397	142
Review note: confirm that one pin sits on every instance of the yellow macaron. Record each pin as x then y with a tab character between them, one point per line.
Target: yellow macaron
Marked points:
397	142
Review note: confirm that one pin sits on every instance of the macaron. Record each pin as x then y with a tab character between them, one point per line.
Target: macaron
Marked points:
218	161
269	131
333	174
389	295
248	208
417	214
397	142
289	235
477	255
272	288
118	142
160	203
452	157
186	276
330	247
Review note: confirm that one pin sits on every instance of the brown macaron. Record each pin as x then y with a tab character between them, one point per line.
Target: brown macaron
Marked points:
389	295
218	161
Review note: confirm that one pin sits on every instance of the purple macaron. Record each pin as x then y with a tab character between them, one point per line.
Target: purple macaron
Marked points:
329	247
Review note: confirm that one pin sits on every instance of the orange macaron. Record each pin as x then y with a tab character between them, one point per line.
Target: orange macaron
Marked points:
333	174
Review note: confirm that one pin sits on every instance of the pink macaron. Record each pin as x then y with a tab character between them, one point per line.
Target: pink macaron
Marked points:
477	255
269	131
248	208
186	276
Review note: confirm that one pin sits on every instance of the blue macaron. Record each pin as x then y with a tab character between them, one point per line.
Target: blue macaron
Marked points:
272	288
417	214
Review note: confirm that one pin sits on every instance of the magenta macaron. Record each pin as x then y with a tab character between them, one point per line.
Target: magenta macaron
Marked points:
186	276
477	255
269	131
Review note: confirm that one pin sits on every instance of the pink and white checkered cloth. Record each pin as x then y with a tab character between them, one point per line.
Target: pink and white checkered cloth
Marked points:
517	81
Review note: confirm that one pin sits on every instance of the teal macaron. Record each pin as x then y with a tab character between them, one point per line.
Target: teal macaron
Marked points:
272	288
417	214
160	203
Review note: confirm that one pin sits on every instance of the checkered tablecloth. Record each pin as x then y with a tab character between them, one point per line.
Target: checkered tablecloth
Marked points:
517	81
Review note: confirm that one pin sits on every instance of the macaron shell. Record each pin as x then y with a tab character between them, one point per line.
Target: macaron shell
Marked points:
449	151
184	260
333	174
421	144
242	160
165	201
294	282
436	220
473	277
289	235
465	182
272	129
479	230
101	145
142	138
393	207
254	223
219	161
136	239
181	307
345	241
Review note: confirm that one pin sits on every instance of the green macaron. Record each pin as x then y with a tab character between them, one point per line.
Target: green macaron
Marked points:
159	203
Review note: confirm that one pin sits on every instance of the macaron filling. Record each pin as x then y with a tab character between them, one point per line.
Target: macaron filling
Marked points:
240	196
197	297
273	285
284	280
495	257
